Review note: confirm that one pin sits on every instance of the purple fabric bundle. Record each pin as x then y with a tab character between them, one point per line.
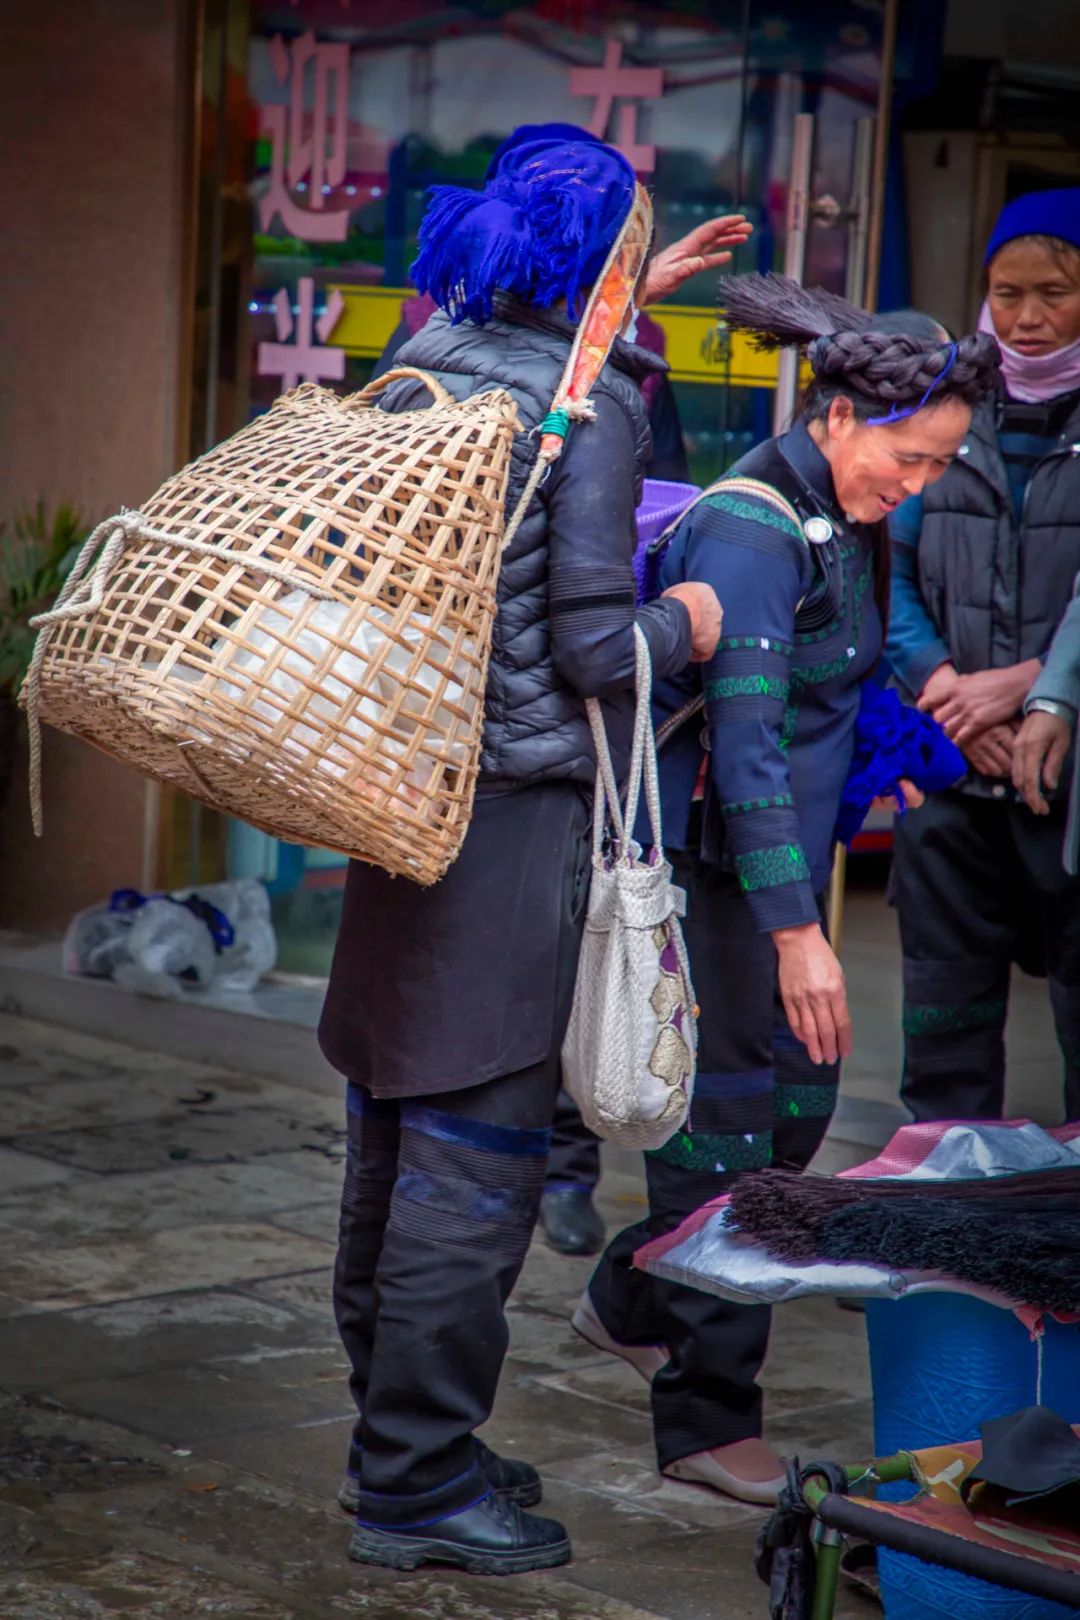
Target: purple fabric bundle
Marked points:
662	503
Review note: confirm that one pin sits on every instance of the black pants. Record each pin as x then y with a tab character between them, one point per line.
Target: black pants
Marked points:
575	1152
442	1189
758	1100
441	1196
979	885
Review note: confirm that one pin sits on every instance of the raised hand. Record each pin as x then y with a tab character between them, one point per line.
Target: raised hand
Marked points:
707	247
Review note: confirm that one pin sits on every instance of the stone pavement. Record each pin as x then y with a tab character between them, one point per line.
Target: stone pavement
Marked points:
174	1413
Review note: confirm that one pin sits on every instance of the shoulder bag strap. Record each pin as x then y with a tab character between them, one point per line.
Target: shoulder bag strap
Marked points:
736	485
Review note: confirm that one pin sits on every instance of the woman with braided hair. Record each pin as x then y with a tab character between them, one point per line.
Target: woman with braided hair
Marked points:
794	543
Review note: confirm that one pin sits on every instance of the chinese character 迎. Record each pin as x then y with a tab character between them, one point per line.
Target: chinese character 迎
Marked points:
315	143
303	359
612	83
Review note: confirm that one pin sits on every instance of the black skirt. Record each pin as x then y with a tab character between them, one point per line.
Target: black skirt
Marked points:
436	989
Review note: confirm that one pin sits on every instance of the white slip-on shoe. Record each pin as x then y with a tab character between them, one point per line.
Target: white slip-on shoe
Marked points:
749	1470
646	1359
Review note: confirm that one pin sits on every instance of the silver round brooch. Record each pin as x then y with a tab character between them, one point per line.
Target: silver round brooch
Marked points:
818	530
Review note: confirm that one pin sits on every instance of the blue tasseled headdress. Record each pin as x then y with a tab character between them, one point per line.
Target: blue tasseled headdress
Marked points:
542	228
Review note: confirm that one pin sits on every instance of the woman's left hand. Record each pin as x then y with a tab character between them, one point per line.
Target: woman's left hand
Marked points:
708	247
912	796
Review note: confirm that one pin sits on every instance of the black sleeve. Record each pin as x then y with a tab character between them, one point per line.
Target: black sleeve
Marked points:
591	537
669	458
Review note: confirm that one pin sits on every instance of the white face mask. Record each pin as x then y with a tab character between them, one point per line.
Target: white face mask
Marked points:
629	331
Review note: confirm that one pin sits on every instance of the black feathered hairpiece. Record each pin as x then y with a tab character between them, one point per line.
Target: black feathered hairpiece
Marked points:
890	368
779	314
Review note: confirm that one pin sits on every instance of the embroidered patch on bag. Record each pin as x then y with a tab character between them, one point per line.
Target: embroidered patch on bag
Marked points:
671	1059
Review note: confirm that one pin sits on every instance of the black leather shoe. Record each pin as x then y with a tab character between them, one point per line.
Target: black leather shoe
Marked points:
511	1479
571	1222
493	1538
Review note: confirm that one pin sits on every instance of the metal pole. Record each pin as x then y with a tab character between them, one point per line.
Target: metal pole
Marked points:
862	170
882	132
798	220
869	292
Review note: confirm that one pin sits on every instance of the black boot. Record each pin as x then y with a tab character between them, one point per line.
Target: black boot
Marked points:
493	1538
570	1221
509	1478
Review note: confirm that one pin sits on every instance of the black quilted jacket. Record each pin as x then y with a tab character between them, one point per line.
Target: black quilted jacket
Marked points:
564	627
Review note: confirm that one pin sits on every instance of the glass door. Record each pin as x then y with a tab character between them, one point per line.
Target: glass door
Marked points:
334	117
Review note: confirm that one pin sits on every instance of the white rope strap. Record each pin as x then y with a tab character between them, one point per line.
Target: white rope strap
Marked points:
84	592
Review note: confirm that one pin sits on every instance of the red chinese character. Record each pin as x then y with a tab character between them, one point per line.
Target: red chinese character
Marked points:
303	360
612	83
315	142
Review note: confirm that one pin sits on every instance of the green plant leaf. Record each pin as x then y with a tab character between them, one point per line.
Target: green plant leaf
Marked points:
37	549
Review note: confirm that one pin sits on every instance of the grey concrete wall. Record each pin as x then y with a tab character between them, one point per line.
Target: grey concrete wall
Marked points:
95	106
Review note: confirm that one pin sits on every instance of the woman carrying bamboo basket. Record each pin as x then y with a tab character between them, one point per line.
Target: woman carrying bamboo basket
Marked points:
447	1005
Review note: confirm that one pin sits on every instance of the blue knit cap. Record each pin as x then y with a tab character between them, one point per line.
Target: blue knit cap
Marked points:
1038	213
554	201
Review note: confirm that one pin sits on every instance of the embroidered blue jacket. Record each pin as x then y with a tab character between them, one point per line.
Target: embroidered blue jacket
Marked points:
800	632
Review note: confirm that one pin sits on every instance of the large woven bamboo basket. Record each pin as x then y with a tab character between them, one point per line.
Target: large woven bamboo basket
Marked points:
296	628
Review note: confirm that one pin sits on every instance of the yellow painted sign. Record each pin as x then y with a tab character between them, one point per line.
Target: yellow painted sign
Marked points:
699	350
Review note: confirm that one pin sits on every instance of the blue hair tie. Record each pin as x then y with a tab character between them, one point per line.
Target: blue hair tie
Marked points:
899	413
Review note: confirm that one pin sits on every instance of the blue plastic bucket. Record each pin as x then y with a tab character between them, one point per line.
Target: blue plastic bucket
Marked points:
941	1365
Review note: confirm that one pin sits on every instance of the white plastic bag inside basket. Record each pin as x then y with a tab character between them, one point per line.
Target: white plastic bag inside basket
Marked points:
305	650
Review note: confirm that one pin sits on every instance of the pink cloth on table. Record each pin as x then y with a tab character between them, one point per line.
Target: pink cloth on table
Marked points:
908	1148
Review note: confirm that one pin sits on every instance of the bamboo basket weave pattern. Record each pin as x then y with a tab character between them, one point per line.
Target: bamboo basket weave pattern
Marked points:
336	700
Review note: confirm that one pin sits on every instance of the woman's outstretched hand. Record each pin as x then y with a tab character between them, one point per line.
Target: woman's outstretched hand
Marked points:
708	247
813	992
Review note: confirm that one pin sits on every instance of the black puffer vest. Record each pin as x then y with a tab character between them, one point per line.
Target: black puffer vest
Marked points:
996	589
535	727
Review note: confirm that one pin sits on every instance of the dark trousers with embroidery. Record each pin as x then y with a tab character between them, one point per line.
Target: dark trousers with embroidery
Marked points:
758	1100
441	1196
978	885
574	1160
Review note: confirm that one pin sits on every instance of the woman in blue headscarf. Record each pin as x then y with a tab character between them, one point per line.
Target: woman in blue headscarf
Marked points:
447	1006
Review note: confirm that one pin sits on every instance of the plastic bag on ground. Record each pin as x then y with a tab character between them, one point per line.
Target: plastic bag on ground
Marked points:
219	936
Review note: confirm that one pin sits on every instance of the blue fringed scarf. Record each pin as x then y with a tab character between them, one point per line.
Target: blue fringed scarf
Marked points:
542	228
893	741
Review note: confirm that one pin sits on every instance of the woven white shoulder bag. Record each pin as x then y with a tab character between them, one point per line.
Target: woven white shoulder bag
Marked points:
630	1052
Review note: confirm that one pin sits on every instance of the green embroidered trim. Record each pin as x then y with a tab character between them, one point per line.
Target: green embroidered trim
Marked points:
802	678
766	868
836	666
762	643
788	724
803	1102
823	672
703	1151
925	1018
754	514
733	686
780	801
806	638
